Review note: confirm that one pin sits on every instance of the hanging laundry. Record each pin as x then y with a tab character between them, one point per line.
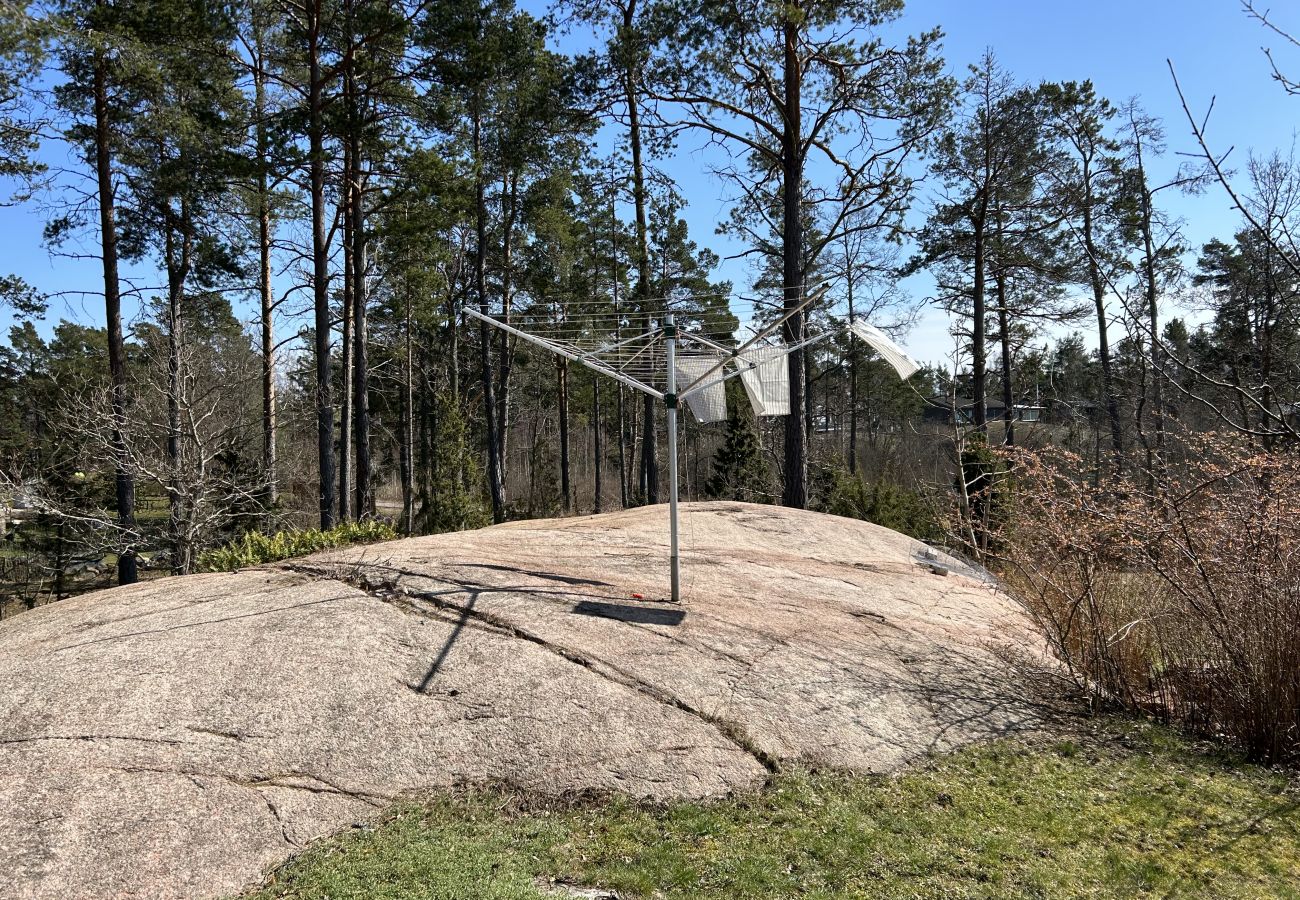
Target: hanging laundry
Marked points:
890	352
765	373
710	404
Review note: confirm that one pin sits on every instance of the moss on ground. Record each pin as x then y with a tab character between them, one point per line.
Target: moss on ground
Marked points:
1117	809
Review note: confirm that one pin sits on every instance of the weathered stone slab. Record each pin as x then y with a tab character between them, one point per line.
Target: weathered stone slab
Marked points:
176	738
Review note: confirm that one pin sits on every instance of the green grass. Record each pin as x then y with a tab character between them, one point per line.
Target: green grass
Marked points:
1124	810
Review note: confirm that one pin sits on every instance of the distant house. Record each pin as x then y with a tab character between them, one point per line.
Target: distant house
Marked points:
23	502
824	424
941	410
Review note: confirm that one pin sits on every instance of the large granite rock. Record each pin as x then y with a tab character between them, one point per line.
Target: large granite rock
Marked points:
177	738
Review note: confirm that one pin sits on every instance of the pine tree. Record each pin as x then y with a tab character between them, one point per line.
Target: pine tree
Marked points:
448	504
505	99
21	54
982	160
739	470
98	100
179	156
777	82
1086	174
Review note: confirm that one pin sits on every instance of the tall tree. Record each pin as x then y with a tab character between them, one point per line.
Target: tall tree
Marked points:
98	98
179	158
468	43
376	96
555	276
1155	241
312	74
980	157
508	100
632	29
1027	268
1085	176
807	87
417	253
260	37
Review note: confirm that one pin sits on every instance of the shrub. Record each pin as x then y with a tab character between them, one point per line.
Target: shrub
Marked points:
983	490
883	502
450	484
255	547
1183	600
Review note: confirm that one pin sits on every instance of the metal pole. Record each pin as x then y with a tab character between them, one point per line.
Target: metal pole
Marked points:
670	400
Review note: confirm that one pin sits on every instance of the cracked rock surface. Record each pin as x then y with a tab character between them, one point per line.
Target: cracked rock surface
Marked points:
177	738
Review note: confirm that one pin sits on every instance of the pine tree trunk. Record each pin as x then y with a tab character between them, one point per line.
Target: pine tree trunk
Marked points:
424	455
631	86
1156	460
453	345
345	416
361	341
453	376
598	504
1103	342
124	480
562	378
853	373
622	450
408	422
979	366
264	288
796	448
807	396
618	337
175	496
1008	395
485	337
177	273
320	265
505	357
634	440
345	381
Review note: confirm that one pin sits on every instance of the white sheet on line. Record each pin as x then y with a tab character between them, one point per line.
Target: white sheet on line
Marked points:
710	404
890	352
764	372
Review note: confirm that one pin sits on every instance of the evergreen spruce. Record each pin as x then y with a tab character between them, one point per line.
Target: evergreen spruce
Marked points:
739	470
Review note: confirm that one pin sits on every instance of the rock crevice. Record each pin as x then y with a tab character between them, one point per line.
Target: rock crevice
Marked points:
387	588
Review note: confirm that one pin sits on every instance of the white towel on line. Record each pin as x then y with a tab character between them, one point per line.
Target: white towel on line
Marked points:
890	352
765	374
710	404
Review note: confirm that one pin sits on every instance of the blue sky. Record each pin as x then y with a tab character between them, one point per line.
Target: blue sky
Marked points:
1121	46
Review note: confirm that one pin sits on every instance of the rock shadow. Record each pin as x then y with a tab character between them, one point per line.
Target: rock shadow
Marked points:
638	615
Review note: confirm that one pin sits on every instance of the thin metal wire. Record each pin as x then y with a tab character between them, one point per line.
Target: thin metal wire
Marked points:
593	332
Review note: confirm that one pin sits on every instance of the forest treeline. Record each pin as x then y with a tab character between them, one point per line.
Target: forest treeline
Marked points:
301	198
